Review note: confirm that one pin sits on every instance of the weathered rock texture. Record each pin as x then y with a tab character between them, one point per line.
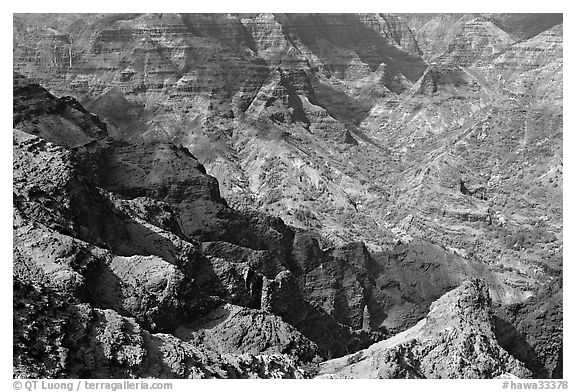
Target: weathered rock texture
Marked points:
455	340
532	332
113	231
360	127
434	140
58	338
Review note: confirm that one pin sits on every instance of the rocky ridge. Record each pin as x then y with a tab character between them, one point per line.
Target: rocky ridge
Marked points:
138	266
359	135
58	338
124	247
327	133
455	340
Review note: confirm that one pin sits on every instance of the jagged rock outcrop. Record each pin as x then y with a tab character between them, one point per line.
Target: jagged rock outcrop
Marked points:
148	288
235	330
62	231
111	229
343	110
263	70
455	340
442	138
62	120
282	296
55	337
341	284
532	331
408	278
349	127
477	40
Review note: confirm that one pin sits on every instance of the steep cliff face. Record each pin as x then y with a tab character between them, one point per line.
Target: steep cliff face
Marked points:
114	230
434	32
333	122
455	340
191	66
478	157
227	86
236	330
58	338
434	139
411	276
341	284
532	332
35	112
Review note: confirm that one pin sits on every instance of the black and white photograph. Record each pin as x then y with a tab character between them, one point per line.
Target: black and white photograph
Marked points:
287	196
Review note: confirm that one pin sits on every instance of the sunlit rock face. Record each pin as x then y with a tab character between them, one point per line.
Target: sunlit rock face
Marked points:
379	159
136	249
455	340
